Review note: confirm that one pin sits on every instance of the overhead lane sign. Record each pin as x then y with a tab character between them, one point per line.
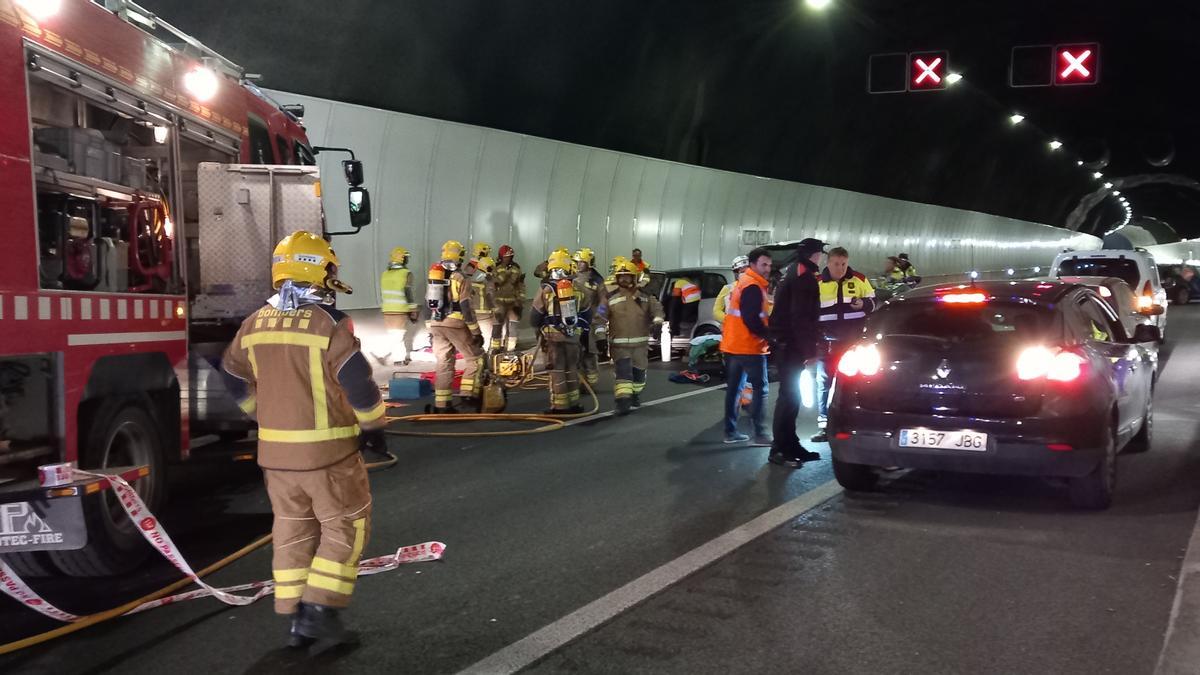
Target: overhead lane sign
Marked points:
927	70
1077	64
1054	65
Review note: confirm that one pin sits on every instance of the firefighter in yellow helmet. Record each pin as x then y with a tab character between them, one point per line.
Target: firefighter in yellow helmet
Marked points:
632	314
509	282
481	250
453	327
319	402
483	298
610	281
560	315
591	284
399	306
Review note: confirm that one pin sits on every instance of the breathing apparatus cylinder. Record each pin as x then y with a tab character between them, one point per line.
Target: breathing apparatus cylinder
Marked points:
568	309
437	289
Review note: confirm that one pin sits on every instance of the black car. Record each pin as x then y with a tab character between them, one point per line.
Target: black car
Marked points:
1007	377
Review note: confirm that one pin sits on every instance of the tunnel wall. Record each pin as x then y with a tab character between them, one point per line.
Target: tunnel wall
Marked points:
432	180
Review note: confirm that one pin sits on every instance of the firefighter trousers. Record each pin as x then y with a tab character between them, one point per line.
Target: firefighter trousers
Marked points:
401	328
588	369
446	341
508	322
488	328
322	521
629	368
562	360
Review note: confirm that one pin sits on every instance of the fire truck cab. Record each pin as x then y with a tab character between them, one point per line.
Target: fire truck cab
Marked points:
115	129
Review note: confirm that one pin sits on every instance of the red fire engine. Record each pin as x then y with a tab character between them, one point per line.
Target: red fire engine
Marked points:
108	332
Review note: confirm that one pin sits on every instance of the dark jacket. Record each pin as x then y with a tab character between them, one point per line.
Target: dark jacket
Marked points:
795	321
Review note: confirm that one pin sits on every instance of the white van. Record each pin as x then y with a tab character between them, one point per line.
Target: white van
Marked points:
1134	267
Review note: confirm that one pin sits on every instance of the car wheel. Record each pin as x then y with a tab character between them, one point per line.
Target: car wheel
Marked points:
1095	490
122	434
1145	436
30	564
855	477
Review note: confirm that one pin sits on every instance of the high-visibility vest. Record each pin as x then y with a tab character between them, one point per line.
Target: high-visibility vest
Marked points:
394	283
736	338
837	294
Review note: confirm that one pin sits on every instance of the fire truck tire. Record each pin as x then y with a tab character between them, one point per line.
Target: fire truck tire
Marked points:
31	564
122	433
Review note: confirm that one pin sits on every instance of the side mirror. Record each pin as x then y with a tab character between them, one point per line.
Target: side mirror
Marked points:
360	206
1147	333
354	171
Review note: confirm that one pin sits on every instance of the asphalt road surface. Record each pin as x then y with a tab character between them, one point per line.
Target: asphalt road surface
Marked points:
935	573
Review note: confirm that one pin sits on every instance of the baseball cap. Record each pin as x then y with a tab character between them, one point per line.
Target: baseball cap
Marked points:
810	246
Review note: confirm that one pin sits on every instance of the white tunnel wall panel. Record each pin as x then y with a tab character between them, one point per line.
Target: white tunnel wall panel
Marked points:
432	180
491	201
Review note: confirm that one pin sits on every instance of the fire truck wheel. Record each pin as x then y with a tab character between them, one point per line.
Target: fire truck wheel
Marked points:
122	433
30	564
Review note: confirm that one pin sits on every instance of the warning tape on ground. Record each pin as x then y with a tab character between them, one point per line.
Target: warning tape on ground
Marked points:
13	586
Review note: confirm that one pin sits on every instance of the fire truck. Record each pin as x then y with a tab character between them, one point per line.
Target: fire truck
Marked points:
144	180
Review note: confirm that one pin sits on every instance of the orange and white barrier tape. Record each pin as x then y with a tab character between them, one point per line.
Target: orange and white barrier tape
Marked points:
13	586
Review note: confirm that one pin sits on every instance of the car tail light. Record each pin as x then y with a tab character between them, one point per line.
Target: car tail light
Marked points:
1145	302
1059	447
861	360
1042	362
964	298
841	436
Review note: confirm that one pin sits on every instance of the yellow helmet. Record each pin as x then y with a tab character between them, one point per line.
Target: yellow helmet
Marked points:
453	251
586	255
399	255
624	266
559	260
481	250
617	261
304	258
485	264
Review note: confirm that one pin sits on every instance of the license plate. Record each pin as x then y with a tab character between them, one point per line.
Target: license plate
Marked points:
943	440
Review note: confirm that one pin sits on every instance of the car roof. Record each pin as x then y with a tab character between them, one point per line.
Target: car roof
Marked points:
1100	253
1041	291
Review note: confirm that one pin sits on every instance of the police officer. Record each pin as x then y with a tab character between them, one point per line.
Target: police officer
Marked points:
910	271
317	394
591	285
632	314
847	297
453	327
509	283
399	310
795	330
560	315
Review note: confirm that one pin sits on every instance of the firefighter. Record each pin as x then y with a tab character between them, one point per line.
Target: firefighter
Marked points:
318	398
610	281
453	327
560	315
509	283
483	298
591	284
399	311
632	314
481	250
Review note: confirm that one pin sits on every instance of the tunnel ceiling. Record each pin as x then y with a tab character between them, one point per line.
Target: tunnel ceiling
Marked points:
767	87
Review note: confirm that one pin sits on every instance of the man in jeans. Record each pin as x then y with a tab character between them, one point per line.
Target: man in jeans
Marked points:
795	330
744	344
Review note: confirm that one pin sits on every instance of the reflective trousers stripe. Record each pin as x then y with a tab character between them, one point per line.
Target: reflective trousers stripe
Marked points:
289	591
630	341
316	378
317	580
293	574
306	435
337	569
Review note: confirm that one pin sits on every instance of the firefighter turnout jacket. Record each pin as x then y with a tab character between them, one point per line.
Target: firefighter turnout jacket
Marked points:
560	310
396	283
509	283
631	317
839	318
316	383
461	312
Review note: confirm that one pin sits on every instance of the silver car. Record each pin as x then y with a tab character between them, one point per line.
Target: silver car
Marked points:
710	280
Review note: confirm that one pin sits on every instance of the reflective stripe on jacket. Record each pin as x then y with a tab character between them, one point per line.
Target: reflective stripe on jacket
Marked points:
736	337
630	316
318	386
838	318
397	291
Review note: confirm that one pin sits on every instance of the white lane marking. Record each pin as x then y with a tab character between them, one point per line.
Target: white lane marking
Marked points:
528	650
79	340
1181	646
647	404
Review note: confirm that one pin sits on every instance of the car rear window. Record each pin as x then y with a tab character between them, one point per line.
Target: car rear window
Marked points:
986	324
1122	268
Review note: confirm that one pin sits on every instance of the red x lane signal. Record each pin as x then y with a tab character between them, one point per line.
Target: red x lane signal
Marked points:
928	70
1077	64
